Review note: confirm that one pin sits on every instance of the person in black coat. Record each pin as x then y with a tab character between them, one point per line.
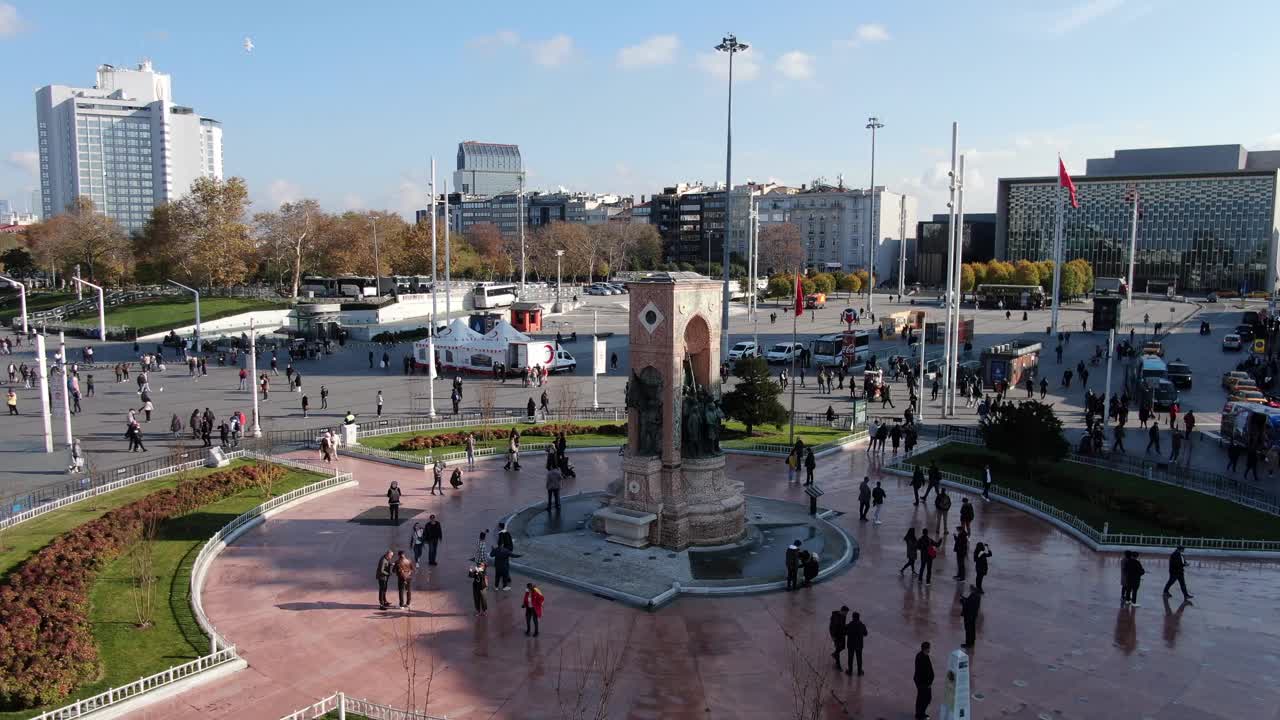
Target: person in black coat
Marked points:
393	501
854	633
1178	573
923	679
793	564
928	549
960	546
809	563
836	630
980	554
383	575
1131	572
917	482
969	606
913	546
810	464
432	534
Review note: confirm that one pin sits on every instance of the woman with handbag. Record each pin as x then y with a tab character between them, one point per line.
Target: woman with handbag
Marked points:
928	548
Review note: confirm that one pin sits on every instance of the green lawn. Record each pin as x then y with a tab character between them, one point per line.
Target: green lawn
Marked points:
154	316
10	308
735	437
1129	503
127	652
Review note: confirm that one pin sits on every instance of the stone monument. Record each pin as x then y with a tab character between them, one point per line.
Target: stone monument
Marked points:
674	469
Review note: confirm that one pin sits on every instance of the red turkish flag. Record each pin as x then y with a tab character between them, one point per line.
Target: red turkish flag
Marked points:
799	296
1064	180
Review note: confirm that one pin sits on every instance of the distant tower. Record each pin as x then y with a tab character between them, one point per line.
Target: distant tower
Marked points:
487	168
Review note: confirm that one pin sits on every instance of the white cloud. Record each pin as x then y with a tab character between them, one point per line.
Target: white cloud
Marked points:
499	39
10	23
657	50
796	65
1270	142
1077	16
553	52
410	196
746	65
281	191
868	33
352	201
27	161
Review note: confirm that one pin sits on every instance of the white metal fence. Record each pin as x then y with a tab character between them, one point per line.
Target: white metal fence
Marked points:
341	704
615	414
221	652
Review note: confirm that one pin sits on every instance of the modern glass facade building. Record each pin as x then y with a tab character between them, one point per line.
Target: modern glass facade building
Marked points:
1200	231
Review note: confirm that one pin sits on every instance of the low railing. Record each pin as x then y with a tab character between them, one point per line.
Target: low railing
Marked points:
1100	539
117	695
341	704
221	651
616	414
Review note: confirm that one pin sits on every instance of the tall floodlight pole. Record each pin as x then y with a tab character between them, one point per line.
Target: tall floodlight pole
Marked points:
902	245
1057	259
520	225
1106	400
448	259
595	357
1132	196
558	307
950	275
102	313
431	373
46	413
954	360
22	299
76	277
256	428
195	292
66	384
924	328
377	266
873	124
729	44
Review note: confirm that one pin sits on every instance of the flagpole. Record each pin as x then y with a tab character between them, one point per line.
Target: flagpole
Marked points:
1133	245
1057	260
951	243
791	434
954	360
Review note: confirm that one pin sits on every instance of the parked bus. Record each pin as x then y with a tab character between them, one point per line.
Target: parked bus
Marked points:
356	286
492	296
1011	297
839	347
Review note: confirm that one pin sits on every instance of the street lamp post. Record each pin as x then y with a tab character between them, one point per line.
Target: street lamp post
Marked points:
46	412
520	225
377	266
66	384
195	292
22	299
873	124
950	273
558	307
448	303
102	313
256	430
729	44
954	360
1132	196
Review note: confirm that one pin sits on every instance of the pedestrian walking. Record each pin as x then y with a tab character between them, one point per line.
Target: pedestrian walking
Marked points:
835	629
404	579
1117	443
913	547
471	451
980	555
877	502
554	476
393	502
386	566
928	549
793	564
513	452
960	546
810	464
970	605
864	498
1044	387
1233	456
379	401
306	405
793	464
1131	572
432	534
1175	443
855	634
11	400
986	484
532	603
966	514
935	481
479	581
923	679
942	503
1178	573
1153	438
437	476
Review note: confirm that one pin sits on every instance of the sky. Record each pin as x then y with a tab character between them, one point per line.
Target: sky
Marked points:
348	103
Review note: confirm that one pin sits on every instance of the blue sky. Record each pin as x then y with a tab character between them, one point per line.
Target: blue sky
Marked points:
347	102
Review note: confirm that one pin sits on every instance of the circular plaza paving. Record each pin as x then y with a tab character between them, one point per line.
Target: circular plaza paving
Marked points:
297	596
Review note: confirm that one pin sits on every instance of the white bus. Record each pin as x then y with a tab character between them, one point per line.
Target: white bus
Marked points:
492	296
840	347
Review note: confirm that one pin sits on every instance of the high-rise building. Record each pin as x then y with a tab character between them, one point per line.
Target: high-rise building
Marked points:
1208	218
834	228
123	143
487	169
930	256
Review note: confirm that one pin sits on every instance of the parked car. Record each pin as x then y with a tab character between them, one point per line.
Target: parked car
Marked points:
1245	332
1180	375
743	350
1252	395
1232	342
783	352
620	287
597	290
1211	297
1231	378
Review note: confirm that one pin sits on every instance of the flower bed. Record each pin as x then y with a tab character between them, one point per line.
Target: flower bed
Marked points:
427	442
45	632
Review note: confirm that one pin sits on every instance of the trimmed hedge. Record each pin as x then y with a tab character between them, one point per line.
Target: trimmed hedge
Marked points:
426	442
46	640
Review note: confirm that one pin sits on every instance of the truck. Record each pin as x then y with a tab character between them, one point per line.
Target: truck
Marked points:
815	300
460	348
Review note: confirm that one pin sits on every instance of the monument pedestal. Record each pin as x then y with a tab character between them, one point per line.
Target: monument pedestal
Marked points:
704	507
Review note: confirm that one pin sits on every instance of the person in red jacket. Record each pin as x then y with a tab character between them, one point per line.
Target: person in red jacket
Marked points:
532	605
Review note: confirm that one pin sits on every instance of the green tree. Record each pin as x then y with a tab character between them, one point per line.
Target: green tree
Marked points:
824	283
1024	273
1072	280
1085	270
966	278
863	280
17	262
1028	432
849	283
780	286
213	245
979	273
754	400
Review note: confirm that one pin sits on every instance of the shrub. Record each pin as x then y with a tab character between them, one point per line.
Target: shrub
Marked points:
427	442
46	641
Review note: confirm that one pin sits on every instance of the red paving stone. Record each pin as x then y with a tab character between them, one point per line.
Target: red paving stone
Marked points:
298	598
